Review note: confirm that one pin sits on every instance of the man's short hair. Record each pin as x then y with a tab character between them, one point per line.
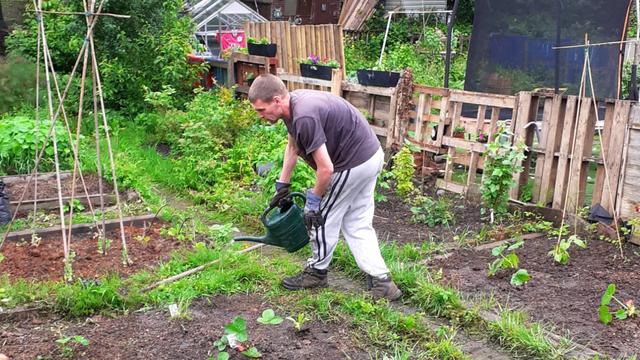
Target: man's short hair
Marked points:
265	87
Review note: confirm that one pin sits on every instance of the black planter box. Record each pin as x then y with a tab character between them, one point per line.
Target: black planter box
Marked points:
268	50
378	78
316	71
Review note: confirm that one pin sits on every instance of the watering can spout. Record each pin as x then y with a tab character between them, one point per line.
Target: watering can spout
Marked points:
259	239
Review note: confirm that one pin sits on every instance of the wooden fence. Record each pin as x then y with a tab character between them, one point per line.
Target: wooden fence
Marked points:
553	128
297	42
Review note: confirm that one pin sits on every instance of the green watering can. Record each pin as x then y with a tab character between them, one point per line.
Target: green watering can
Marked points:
285	229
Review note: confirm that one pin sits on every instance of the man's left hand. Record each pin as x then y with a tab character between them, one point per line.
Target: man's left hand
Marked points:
312	216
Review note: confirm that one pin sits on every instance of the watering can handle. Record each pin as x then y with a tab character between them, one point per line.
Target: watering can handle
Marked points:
263	217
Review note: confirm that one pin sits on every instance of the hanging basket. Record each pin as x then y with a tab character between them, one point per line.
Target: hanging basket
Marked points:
268	50
378	78
316	71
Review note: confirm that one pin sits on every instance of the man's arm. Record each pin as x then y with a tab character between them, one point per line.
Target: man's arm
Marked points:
324	170
290	159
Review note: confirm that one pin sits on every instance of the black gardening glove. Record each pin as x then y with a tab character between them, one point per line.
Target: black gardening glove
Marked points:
312	216
282	198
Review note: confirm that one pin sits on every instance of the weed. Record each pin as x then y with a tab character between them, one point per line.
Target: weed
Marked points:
74	205
298	321
181	309
520	277
627	309
383	183
269	318
560	252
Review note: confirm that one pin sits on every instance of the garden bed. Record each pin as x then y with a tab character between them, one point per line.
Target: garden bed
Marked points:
565	296
153	335
47	196
45	260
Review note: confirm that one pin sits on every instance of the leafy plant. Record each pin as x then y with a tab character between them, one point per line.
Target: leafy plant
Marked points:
501	162
269	318
299	321
627	309
382	184
560	252
66	344
18	139
431	212
235	333
508	261
74	205
262	41
402	170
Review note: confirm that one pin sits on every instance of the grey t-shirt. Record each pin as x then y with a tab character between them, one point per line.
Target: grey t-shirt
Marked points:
319	117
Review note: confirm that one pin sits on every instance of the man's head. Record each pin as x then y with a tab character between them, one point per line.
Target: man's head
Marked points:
269	97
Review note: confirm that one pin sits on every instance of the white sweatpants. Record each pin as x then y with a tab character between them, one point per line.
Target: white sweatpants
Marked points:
348	205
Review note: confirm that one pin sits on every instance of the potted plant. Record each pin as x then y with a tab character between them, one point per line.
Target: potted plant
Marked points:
458	132
262	47
378	77
314	67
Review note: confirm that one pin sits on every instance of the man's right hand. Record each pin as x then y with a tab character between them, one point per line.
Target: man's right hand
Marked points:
281	199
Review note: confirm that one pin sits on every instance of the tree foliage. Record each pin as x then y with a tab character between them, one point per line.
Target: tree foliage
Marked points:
149	49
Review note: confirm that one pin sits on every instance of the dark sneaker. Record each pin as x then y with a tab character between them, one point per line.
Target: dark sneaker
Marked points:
383	288
309	278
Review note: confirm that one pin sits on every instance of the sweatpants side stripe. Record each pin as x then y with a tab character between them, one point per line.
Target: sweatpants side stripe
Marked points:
317	230
326	215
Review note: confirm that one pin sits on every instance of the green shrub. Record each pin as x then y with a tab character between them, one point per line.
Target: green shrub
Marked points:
17	83
18	137
402	170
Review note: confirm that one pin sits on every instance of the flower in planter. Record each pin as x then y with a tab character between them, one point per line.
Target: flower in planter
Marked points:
316	60
458	130
482	137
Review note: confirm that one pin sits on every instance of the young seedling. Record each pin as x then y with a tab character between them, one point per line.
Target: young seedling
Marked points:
269	318
66	344
508	261
626	310
299	321
520	277
235	333
560	252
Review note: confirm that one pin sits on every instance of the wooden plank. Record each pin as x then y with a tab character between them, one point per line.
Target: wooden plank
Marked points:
449	186
444	109
473	162
524	112
562	172
347	86
468	97
290	48
554	126
540	159
419	119
393	136
614	154
464	144
305	80
630	192
577	170
430	90
336	82
604	149
493	127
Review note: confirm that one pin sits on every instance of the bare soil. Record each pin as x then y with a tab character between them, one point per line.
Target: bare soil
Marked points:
565	297
48	189
154	335
45	261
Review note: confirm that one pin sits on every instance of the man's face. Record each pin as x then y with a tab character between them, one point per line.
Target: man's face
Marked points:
270	111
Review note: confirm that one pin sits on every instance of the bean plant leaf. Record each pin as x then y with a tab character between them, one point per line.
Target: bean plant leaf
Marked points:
511	261
496	251
269	318
516	245
579	242
223	355
608	295
81	340
252	352
605	315
621	314
520	277
221	344
238	327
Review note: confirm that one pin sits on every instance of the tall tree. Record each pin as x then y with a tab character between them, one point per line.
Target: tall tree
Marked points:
4	30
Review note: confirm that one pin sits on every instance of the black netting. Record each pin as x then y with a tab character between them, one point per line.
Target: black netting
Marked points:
512	40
